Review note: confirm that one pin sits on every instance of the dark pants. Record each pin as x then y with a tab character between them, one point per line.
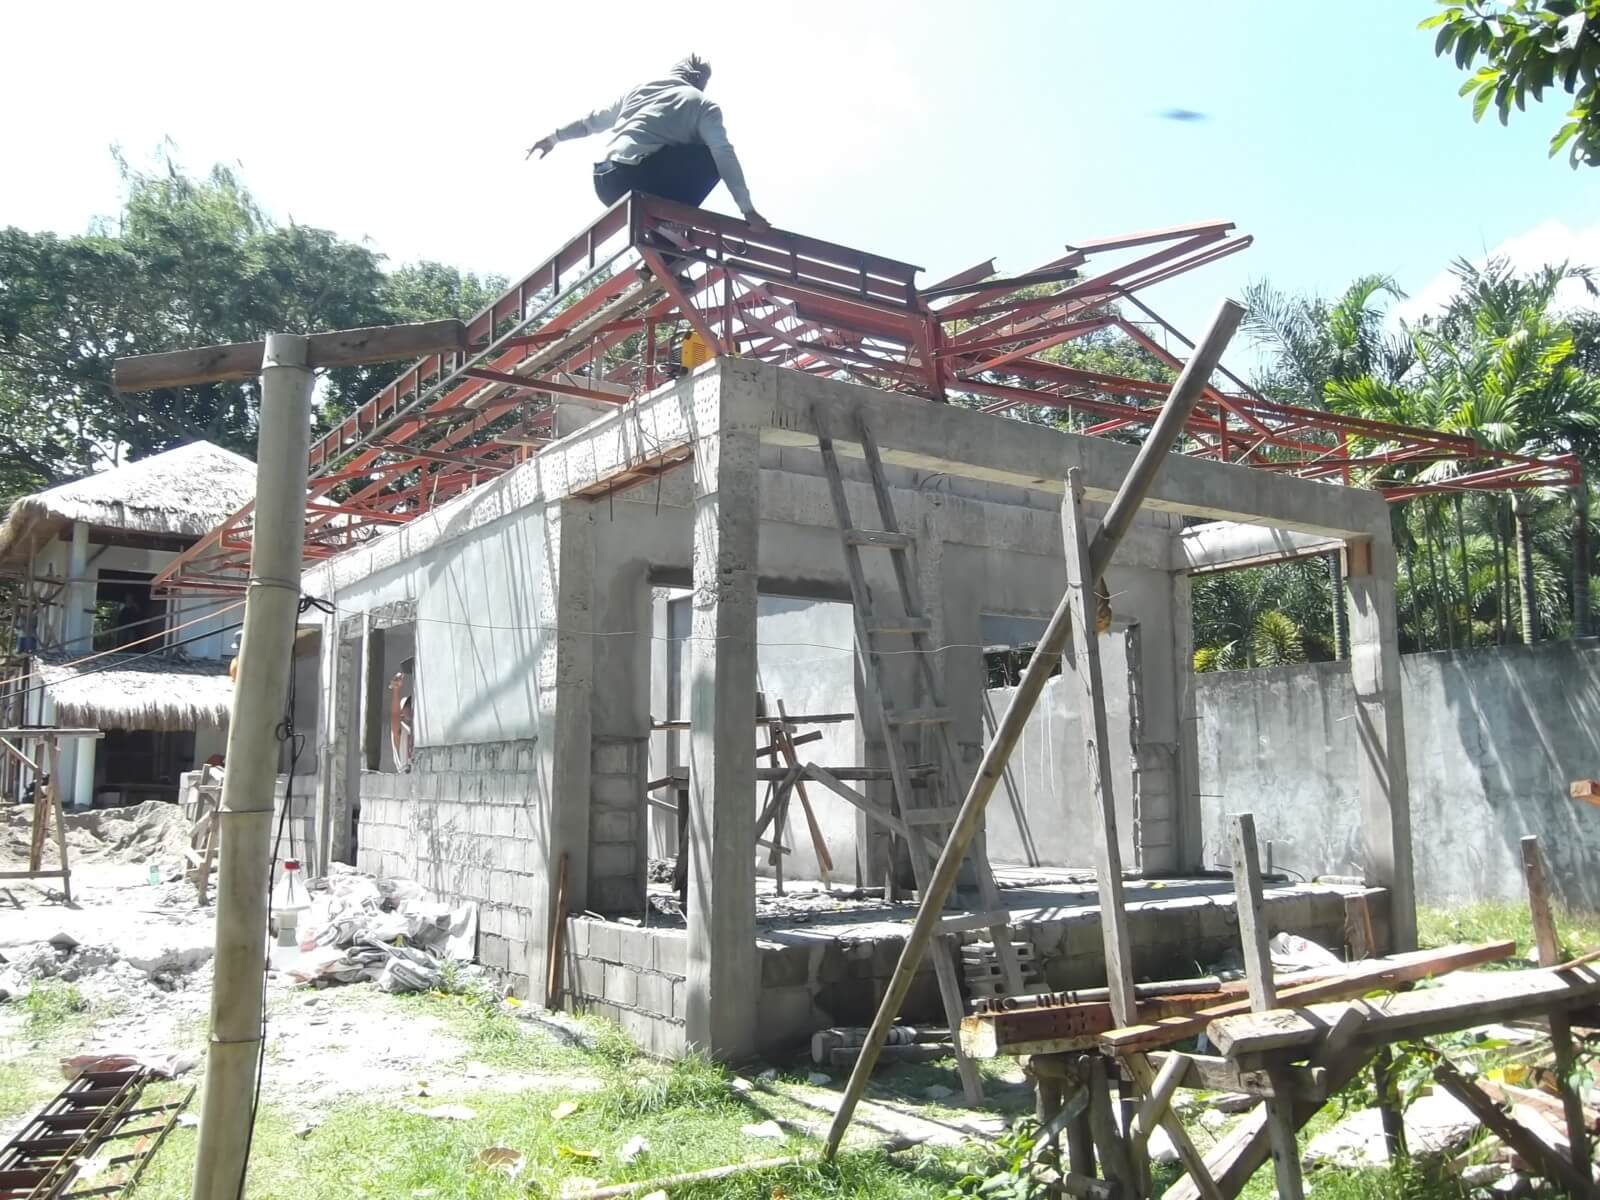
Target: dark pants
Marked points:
682	173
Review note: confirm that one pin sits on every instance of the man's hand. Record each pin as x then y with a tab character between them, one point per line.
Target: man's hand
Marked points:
757	222
544	145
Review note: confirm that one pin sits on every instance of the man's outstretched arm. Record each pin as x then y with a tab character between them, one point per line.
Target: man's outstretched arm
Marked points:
600	120
715	136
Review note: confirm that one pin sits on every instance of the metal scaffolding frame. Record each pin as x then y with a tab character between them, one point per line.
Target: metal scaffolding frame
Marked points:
600	322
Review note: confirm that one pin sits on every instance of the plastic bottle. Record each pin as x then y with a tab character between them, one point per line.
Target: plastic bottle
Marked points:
289	900
153	875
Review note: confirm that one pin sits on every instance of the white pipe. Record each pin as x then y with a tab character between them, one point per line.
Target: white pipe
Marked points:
244	866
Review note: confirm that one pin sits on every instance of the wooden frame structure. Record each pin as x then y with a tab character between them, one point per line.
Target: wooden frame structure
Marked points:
46	798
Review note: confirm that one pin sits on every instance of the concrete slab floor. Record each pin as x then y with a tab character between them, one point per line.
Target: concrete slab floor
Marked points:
1030	895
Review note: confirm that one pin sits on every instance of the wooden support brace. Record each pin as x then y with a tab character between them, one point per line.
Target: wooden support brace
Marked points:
1548	947
1545	1159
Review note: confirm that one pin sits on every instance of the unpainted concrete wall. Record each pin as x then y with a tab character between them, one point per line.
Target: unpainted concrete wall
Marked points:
1493	738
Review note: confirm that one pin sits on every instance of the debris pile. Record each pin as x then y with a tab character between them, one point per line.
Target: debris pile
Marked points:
387	930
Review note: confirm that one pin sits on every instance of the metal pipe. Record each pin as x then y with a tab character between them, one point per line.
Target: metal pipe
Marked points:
1163	435
244	857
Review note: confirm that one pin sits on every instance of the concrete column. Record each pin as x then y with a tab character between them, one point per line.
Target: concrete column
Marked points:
77	628
78	620
723	988
1186	762
1381	731
83	772
566	721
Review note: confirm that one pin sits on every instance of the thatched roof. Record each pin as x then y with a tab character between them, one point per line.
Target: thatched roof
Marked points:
126	691
185	492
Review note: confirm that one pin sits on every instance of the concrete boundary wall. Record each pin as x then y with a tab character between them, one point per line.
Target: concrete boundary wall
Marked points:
1494	736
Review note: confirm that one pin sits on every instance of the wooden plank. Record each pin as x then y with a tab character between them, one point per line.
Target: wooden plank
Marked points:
61	821
1585	789
1056	1030
1383	973
1207	1072
1242	1151
242	360
1358	931
1543	1158
785	745
1158	1100
1502	996
50	733
1090	696
1548	945
558	929
972	922
1285	1148
835	718
1251	907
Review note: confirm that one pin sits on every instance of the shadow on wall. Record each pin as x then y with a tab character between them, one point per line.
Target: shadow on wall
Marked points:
1493	737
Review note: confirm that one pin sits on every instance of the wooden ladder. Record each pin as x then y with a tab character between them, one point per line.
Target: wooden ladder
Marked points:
926	824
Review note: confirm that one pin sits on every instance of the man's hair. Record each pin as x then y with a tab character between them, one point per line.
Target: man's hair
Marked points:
693	70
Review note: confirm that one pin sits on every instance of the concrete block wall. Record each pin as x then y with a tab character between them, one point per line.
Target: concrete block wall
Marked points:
461	823
617	844
631	975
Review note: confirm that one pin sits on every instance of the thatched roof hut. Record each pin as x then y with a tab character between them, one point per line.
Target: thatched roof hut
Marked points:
184	493
130	691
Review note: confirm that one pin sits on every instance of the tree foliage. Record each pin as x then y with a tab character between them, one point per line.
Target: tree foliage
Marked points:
1503	364
1527	47
187	262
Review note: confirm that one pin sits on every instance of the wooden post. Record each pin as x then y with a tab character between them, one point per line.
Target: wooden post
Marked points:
1252	914
1545	1159
61	819
1108	1143
1263	996
1547	945
1091	704
1394	1126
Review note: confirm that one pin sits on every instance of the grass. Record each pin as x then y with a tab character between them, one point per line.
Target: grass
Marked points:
1493	920
686	1110
50	1004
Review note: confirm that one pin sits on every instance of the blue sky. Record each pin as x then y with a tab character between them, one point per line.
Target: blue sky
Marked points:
940	133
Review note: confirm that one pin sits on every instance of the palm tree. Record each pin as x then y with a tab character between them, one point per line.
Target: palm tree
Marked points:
1522	383
1315	344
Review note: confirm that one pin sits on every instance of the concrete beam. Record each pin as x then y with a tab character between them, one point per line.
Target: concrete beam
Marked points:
722	998
1381	732
937	437
1225	545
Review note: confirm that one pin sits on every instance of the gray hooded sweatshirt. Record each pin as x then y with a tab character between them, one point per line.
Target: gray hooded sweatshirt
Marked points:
667	112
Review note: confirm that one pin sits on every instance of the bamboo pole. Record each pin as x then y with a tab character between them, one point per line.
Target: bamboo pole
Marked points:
1152	454
244	867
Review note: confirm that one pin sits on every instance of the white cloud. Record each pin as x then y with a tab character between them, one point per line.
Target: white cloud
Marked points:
1550	242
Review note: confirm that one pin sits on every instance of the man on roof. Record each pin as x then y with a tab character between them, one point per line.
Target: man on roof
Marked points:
666	139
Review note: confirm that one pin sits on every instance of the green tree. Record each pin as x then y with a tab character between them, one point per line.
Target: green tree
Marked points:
1526	47
188	261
